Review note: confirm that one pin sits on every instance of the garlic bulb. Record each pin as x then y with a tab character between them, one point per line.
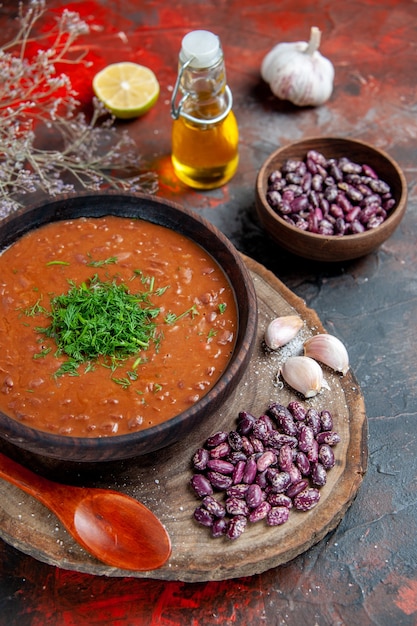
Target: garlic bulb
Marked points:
298	72
281	330
328	350
304	375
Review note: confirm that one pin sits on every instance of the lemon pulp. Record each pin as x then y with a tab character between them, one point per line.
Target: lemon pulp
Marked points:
126	89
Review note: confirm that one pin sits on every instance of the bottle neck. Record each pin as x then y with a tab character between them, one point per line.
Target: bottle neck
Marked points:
206	98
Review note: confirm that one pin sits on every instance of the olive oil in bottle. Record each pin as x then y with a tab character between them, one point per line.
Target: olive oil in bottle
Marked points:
205	133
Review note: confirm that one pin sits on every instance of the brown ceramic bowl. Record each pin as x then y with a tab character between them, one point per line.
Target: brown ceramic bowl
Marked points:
164	213
322	247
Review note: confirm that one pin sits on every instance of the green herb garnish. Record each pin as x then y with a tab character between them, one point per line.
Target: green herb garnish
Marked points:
222	307
100	319
212	333
57	263
100	263
171	318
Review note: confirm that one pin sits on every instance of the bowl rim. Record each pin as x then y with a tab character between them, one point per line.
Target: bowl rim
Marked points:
18	433
394	214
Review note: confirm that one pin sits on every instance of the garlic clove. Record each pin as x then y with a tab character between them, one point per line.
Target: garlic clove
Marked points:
304	375
328	350
281	330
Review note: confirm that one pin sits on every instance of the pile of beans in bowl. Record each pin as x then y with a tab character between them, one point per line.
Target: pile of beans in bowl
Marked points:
329	196
263	469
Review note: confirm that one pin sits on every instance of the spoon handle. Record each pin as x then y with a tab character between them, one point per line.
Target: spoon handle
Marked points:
35	485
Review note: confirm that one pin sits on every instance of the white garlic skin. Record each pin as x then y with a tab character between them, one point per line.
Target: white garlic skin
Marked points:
329	350
298	72
304	375
281	330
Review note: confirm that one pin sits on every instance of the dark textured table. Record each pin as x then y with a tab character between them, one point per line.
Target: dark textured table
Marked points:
365	571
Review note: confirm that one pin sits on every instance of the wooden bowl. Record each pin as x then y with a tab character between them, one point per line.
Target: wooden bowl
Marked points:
170	215
319	247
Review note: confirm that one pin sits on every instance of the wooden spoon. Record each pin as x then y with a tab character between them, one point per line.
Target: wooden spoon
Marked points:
113	527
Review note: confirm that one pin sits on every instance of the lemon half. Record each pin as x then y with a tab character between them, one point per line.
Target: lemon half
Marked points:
126	89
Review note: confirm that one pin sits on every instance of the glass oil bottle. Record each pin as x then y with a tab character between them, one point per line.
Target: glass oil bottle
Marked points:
205	133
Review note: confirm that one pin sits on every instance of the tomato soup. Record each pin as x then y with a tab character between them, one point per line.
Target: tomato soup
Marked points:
195	321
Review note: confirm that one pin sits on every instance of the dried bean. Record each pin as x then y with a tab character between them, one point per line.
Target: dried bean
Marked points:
326	420
307	499
303	463
200	459
262	479
245	423
356	227
274	177
260	430
280	482
265	419
262	470
237	506
218	465
216	439
325	227
318	474
326	456
330	437
249	471
261	511
277	440
223	449
285	458
236	455
279	499
305	185
254	496
219	481
247	446
297	411
375	221
313	453
284	419
277	515
295	474
203	517
296	488
267	459
214	507
368	171
237	491
219	527
201	485
305	438
236	527
313	420
238	472
257	445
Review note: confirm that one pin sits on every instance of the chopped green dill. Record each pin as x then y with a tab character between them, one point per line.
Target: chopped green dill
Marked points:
160	291
171	318
212	333
42	354
99	319
123	382
157	387
35	309
100	263
57	263
138	361
222	307
69	367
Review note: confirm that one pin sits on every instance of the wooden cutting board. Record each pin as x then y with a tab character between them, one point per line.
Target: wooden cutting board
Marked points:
161	481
